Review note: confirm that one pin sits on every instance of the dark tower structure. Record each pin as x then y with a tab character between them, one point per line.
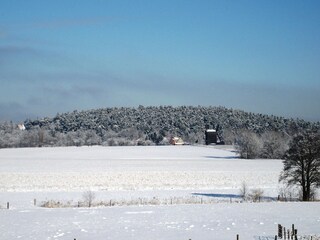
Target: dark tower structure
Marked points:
211	136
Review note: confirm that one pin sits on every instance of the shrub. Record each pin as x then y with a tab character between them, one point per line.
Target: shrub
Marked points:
249	145
244	191
275	145
256	194
89	197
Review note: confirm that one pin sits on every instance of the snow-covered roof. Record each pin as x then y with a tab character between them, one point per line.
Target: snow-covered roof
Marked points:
210	130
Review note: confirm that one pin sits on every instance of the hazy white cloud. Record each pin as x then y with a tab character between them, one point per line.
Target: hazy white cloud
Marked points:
58	23
103	90
72	92
68	88
13	50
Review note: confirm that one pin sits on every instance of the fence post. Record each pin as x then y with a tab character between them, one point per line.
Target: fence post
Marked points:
288	234
34	202
237	236
284	233
279	231
8	205
292	231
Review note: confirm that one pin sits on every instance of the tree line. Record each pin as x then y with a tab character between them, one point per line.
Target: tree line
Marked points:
152	126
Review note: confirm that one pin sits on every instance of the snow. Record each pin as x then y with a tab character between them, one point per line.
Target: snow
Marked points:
210	130
131	173
217	221
132	168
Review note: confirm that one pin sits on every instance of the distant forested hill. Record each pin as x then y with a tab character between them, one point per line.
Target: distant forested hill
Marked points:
144	126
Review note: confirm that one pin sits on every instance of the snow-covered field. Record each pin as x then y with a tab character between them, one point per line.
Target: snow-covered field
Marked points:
132	168
130	173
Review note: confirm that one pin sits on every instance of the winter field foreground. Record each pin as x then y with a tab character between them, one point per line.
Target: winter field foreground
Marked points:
128	174
132	168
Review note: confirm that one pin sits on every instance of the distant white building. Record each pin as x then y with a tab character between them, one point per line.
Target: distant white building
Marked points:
176	141
21	127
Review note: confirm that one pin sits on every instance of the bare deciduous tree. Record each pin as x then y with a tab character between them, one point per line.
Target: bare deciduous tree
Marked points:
89	197
302	163
244	191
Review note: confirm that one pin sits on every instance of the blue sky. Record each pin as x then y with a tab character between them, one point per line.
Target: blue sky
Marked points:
259	56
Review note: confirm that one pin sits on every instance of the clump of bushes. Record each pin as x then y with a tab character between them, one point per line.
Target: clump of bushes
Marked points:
270	145
55	204
254	195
